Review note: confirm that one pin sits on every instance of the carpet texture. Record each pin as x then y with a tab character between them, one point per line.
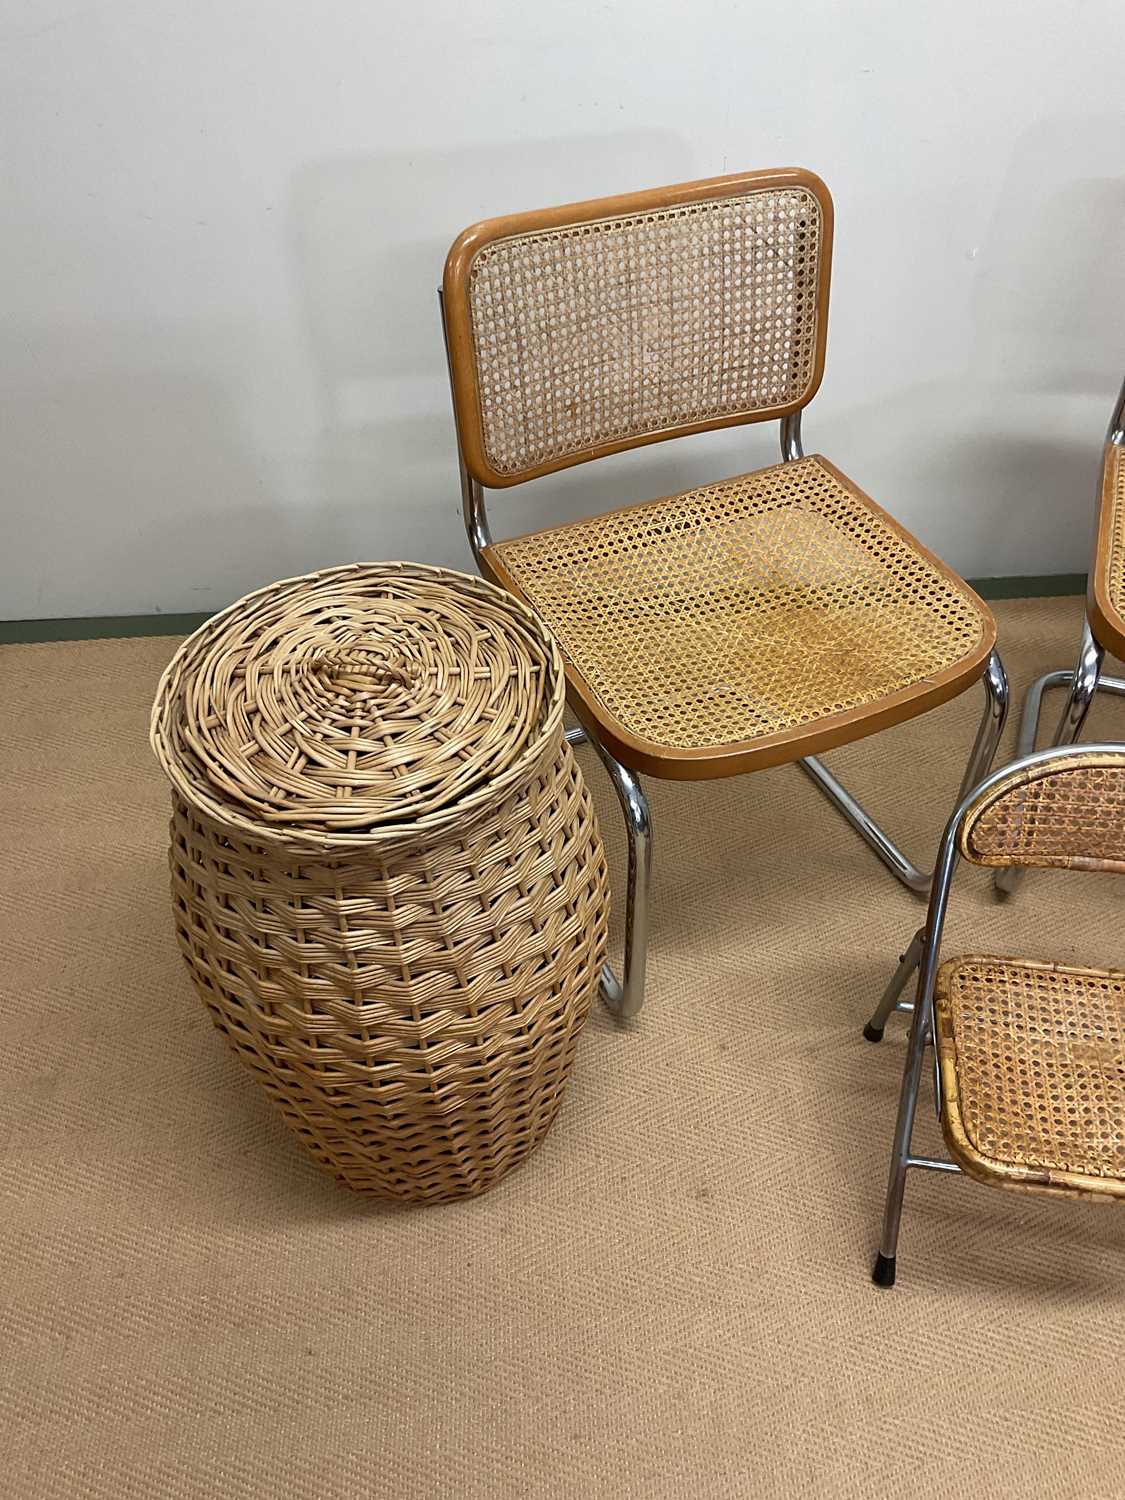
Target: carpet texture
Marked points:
669	1299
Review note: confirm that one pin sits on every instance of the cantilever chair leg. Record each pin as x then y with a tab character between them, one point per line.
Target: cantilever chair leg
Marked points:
990	729
625	996
1082	682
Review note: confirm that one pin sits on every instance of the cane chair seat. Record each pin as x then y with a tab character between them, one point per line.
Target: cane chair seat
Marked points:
748	623
1107	577
1032	1064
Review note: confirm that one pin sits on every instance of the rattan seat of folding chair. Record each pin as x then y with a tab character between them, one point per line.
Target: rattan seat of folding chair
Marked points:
748	623
1107	577
1032	1062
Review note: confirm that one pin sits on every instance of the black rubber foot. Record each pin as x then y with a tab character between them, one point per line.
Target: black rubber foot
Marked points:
884	1272
872	1033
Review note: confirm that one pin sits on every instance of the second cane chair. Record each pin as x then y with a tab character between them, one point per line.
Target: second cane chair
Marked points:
743	624
1104	627
1029	1057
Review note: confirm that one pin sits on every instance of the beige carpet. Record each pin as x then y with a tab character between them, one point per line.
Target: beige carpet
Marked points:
670	1299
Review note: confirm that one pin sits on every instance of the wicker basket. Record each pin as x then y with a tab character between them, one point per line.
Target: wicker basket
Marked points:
388	881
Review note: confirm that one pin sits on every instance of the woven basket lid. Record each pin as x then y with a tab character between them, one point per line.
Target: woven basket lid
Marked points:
374	703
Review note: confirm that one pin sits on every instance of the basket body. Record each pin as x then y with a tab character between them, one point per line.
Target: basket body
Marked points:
411	1002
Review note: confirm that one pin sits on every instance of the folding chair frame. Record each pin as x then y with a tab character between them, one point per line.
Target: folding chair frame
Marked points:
923	956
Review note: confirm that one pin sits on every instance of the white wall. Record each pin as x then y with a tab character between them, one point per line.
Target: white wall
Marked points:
223	223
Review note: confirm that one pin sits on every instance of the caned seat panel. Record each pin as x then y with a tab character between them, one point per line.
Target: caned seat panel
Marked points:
1032	1061
749	622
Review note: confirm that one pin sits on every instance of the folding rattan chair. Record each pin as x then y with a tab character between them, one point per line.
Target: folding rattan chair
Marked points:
744	624
1029	1062
1103	628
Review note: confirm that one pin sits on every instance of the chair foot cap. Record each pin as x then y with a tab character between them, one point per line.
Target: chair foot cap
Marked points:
872	1033
884	1272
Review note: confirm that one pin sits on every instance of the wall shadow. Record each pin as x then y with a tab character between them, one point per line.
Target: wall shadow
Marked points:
369	236
170	440
1052	280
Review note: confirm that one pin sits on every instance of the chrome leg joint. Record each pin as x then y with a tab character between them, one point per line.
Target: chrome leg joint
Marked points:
933	1164
907	964
791	446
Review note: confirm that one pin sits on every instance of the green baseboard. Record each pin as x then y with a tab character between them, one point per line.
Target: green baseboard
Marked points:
1037	586
96	628
110	627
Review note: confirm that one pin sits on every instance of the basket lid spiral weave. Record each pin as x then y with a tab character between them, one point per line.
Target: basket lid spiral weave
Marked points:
360	705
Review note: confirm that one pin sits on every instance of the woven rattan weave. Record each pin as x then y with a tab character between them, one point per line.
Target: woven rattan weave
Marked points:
1069	817
746	610
388	880
1108	574
1033	1073
604	331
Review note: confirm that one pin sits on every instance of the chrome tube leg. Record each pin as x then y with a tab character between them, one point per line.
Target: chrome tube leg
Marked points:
1083	686
991	727
883	1273
907	963
791	446
921	1023
625	997
993	719
902	868
1033	708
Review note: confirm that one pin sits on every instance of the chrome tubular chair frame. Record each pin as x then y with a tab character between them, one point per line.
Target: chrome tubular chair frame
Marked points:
922	956
1082	681
624	996
980	758
811	251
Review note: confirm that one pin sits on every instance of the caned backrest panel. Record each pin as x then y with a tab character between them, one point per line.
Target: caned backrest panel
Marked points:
1113	497
1107	576
1068	814
580	331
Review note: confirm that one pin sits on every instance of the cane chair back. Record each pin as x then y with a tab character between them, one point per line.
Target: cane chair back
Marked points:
1106	602
579	331
1063	814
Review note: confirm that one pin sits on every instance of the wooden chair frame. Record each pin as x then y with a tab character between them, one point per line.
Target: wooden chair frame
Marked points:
478	469
923	955
1103	630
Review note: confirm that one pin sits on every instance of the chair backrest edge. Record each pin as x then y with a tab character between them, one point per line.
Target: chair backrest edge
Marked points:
460	330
